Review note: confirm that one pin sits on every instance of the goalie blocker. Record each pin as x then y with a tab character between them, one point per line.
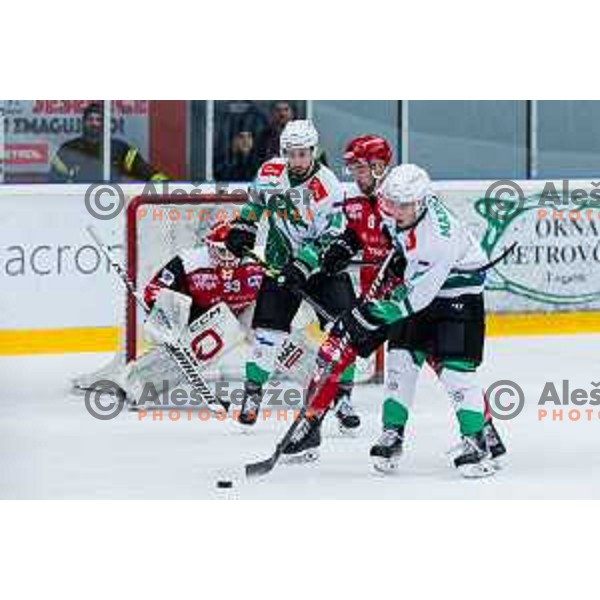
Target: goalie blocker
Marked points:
207	339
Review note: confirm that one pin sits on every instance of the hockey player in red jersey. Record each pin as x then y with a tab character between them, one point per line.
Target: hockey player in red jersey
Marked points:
367	159
209	274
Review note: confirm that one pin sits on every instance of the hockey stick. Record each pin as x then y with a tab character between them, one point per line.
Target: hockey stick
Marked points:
486	267
320	310
256	469
180	355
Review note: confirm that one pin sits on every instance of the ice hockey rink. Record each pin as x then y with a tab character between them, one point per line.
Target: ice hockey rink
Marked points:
52	448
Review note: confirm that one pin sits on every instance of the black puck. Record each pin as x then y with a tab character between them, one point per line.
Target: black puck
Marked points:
224	484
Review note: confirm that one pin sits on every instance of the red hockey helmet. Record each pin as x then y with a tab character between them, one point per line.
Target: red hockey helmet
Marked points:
368	148
215	240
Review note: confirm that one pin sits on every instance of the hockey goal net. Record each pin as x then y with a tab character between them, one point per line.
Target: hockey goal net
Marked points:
159	227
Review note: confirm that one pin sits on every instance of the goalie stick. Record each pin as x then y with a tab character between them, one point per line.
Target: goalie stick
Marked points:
180	355
257	469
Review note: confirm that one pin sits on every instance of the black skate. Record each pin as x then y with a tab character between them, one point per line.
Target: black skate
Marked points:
387	450
495	444
251	403
474	459
348	420
304	444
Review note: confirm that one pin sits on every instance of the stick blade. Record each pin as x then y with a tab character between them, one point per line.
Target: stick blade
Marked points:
259	468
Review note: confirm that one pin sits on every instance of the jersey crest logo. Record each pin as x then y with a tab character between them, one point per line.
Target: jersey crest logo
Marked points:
226	273
354	210
318	189
166	277
254	281
272	170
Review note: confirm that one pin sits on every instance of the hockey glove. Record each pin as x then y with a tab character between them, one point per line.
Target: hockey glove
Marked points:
294	275
397	265
241	238
336	257
366	331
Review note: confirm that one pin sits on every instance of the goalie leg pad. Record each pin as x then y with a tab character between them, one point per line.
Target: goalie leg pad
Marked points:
150	376
213	334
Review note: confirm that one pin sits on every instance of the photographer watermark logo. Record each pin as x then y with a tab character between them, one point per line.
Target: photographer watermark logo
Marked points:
556	258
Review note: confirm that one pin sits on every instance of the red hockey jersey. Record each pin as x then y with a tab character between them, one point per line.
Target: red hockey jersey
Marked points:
192	273
364	219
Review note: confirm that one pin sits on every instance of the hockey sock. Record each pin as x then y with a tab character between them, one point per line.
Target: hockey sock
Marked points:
395	414
347	376
460	380
401	374
264	350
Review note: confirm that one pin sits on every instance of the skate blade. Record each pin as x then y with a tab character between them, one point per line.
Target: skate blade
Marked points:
386	465
79	390
348	432
485	468
244	427
302	458
216	410
499	463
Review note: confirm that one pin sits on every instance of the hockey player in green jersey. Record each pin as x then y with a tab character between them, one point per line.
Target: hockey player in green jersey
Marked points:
430	308
303	202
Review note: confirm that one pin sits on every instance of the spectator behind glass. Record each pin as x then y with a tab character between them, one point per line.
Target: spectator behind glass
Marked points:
243	162
80	160
268	140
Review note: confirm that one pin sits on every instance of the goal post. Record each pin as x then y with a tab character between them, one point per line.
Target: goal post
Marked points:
157	228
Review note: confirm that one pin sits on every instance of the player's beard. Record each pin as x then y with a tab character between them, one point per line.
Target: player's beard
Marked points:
300	172
368	188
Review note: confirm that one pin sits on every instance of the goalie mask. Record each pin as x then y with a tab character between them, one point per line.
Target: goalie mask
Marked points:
367	159
403	195
220	256
298	145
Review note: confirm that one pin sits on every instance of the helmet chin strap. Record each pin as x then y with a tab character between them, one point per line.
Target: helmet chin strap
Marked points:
380	177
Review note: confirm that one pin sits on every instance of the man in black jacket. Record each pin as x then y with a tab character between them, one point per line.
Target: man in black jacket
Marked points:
80	160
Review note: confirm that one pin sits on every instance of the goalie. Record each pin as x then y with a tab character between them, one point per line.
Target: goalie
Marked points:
201	291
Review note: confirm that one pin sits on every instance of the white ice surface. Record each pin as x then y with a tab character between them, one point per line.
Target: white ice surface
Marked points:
50	447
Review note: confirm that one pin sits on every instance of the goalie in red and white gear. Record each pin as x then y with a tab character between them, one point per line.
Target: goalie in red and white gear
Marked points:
202	291
208	274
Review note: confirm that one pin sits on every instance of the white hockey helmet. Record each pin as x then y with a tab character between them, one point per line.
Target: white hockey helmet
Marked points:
405	184
299	134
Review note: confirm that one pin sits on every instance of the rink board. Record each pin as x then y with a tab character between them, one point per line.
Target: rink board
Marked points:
60	295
